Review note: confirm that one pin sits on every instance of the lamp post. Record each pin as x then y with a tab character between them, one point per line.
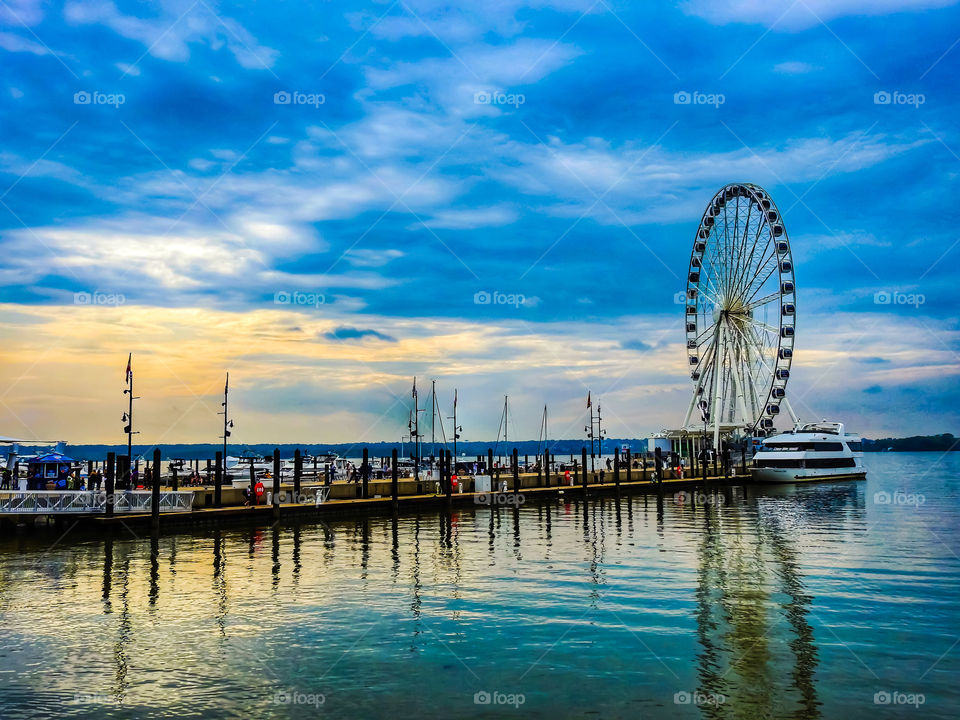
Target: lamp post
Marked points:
128	418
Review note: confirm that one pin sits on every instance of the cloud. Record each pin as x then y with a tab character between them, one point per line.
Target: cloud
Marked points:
794	67
350	333
791	15
168	37
15	43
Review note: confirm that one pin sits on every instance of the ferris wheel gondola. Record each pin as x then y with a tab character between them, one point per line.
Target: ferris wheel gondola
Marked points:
740	312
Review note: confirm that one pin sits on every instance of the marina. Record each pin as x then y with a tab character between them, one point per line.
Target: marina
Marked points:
753	605
438	360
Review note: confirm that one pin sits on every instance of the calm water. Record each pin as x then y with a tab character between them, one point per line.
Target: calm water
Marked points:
784	603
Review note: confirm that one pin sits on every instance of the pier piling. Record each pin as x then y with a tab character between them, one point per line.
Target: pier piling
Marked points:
297	472
276	483
493	488
365	473
616	468
108	480
447	475
394	481
218	481
155	500
516	474
583	471
546	465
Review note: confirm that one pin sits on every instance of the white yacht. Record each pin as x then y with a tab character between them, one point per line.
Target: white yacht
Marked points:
813	451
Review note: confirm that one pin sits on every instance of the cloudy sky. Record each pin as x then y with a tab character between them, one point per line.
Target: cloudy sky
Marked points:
313	197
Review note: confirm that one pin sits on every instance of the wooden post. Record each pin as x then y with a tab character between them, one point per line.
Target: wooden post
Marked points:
109	486
276	483
448	472
516	474
316	478
490	470
253	484
365	473
629	464
155	502
616	468
546	465
394	481
297	470
218	481
174	482
206	480
583	460
540	472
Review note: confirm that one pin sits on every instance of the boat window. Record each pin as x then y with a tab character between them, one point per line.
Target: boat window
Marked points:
804	463
777	463
856	446
829	462
803	446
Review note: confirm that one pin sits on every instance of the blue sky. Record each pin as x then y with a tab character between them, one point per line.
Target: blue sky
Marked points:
328	248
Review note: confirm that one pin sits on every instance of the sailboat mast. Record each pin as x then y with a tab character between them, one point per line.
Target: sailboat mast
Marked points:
226	394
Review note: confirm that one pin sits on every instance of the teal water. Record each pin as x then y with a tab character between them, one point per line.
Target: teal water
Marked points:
781	602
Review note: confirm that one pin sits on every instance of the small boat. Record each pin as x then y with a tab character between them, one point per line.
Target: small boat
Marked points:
812	451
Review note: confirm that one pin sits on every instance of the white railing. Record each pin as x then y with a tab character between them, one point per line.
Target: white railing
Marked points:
80	501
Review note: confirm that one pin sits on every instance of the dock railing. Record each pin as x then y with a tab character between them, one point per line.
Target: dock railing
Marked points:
54	502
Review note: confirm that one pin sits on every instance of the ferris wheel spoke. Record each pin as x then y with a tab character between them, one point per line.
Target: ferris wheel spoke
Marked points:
763	301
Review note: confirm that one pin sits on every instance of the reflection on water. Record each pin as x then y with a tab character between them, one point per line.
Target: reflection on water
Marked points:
792	602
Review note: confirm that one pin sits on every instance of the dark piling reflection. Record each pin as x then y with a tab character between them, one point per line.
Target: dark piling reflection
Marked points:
154	570
220	582
107	574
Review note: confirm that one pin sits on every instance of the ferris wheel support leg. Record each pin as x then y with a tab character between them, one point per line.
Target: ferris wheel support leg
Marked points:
715	410
790	412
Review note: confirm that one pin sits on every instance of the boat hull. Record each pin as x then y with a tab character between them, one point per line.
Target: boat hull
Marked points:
795	475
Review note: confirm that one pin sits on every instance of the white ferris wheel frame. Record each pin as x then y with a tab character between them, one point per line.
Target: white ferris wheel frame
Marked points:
741	264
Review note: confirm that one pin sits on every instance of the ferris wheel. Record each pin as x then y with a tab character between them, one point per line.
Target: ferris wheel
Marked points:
740	314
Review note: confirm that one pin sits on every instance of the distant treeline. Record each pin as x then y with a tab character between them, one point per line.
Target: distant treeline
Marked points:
205	451
917	443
